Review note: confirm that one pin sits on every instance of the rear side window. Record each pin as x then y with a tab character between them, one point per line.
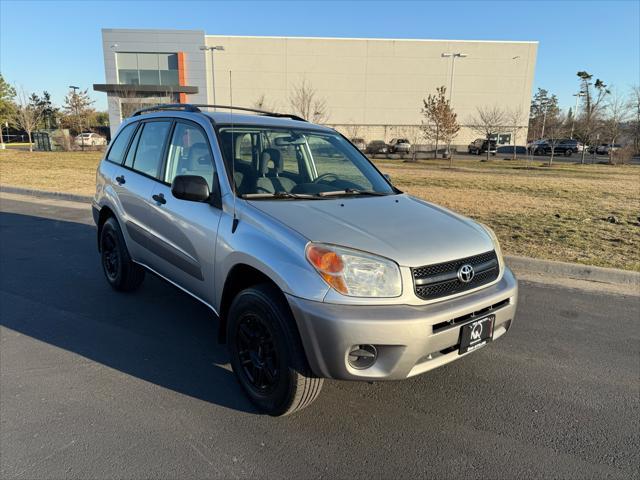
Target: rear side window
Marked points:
132	149
116	152
150	149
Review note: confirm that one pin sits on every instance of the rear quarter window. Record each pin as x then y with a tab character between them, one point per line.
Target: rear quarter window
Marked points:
119	146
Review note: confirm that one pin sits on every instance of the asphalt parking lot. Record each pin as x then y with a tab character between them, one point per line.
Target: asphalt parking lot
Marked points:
95	384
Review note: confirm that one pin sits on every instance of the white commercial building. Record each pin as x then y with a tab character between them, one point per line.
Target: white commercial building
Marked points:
371	88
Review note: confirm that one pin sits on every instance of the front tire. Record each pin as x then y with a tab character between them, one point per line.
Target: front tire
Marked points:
266	353
568	152
120	271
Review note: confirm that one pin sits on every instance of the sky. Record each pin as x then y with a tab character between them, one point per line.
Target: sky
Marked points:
49	45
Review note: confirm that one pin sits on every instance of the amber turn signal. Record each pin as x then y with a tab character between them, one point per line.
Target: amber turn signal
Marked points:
329	265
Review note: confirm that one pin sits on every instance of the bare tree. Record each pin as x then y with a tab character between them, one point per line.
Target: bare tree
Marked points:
77	106
414	134
441	122
129	100
27	114
594	94
261	103
616	113
306	103
353	130
488	121
516	122
557	127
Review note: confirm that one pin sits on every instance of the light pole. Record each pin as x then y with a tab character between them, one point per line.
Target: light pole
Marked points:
453	69
575	111
213	70
75	101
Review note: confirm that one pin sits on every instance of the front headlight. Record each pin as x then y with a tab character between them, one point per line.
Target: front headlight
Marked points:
496	243
355	273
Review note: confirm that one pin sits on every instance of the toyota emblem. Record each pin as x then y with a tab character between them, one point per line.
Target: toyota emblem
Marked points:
465	273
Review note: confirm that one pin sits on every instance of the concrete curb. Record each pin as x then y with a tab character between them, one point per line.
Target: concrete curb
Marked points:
44	194
517	264
574	270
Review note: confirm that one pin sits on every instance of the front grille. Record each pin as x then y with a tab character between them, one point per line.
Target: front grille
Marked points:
441	279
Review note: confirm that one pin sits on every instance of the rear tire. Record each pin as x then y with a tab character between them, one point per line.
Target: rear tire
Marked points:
568	152
266	353
120	271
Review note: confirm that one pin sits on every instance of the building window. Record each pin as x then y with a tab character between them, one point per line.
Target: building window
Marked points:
148	68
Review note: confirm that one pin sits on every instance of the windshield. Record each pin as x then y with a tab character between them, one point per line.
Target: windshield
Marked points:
280	163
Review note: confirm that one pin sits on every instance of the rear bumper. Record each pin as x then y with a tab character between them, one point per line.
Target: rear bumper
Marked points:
404	336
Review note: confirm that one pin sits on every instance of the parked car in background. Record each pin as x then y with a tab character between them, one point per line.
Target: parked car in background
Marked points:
399	145
563	146
90	139
537	147
377	146
508	150
480	146
359	143
607	148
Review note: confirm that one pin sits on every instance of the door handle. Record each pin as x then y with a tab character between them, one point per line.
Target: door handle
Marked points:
120	179
159	197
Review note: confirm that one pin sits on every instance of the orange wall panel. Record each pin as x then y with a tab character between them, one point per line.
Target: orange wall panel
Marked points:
182	80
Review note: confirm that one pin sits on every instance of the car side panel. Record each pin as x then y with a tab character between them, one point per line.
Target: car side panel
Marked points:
267	239
126	203
182	244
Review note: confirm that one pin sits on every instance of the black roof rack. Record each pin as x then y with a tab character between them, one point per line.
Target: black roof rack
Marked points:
195	107
255	110
167	106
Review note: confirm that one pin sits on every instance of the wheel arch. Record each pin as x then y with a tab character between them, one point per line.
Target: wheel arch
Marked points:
240	277
104	214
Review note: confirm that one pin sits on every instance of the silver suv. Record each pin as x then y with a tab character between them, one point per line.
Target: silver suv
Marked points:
315	265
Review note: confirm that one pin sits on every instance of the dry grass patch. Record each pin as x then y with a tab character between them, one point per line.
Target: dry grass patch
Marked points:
558	213
70	172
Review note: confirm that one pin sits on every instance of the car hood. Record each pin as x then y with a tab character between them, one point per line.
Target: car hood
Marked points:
405	229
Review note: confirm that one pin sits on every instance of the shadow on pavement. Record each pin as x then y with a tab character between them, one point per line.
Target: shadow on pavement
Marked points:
52	289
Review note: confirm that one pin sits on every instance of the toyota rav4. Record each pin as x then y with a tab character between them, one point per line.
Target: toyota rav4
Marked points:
314	264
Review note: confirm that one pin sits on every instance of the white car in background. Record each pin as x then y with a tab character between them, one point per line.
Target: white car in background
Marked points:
605	149
399	145
90	139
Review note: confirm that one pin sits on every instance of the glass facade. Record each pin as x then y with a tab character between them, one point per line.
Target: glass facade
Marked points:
148	68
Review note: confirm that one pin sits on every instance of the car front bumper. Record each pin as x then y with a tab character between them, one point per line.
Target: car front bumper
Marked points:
409	339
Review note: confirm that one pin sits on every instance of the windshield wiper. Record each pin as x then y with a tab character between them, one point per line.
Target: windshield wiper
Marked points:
353	191
279	195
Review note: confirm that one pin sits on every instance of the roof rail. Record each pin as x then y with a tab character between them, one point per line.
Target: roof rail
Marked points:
255	110
167	106
194	107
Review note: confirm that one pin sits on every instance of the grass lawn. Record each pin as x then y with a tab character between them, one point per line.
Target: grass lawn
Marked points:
558	213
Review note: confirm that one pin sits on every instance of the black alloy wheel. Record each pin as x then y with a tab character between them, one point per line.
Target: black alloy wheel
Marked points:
257	353
110	256
119	270
266	352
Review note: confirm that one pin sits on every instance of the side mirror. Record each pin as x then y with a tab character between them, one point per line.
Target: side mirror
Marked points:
388	177
193	188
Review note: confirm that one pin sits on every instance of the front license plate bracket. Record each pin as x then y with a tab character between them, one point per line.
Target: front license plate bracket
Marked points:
476	334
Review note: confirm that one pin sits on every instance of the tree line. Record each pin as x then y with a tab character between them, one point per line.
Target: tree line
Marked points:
604	115
31	112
